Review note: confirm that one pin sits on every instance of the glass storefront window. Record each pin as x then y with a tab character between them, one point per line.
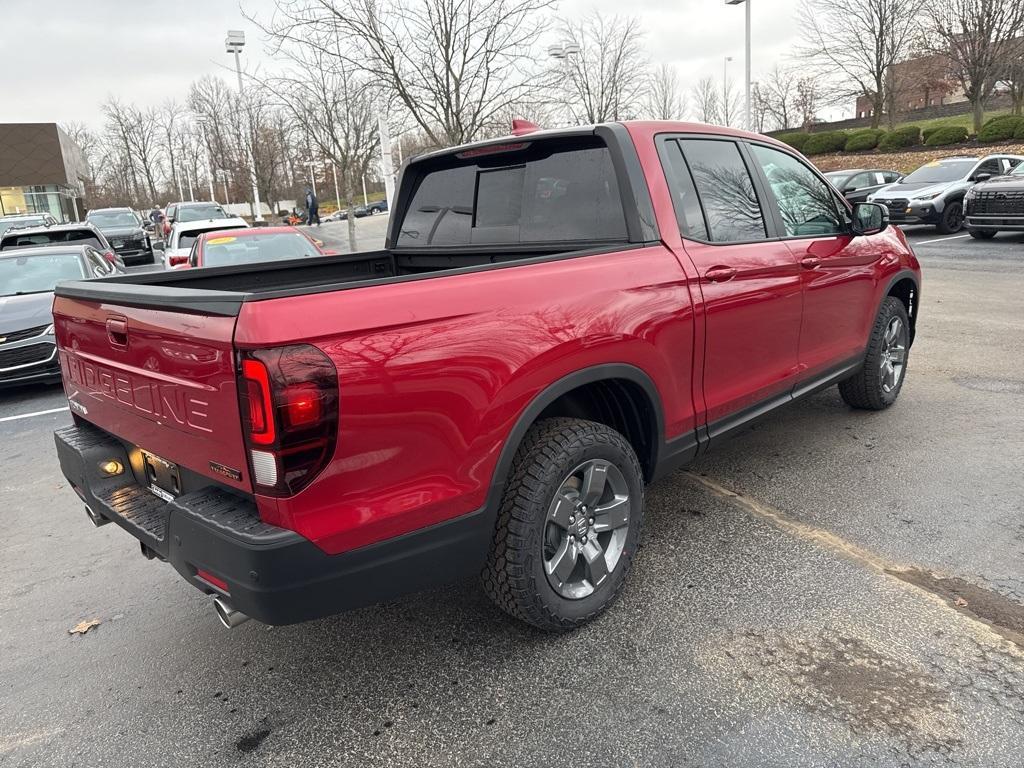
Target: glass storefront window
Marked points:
48	198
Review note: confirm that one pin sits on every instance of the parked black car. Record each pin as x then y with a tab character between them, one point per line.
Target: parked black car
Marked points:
78	233
126	233
996	205
18	220
372	209
857	183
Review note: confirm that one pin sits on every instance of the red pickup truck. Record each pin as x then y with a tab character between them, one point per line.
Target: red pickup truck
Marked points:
556	319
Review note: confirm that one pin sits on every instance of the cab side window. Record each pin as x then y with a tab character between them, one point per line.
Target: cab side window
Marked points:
731	208
805	202
689	214
860	181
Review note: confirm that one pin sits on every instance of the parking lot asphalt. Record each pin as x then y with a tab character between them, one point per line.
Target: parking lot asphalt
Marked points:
831	587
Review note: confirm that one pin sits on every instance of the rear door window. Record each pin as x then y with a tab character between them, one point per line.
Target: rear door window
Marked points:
539	192
726	190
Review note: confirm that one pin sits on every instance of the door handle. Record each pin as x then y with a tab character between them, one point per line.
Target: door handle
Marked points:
117	331
720	274
810	262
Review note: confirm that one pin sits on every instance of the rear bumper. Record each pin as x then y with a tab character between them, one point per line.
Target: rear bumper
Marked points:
273	575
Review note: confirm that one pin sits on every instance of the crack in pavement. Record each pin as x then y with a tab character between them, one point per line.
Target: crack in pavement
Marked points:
995	612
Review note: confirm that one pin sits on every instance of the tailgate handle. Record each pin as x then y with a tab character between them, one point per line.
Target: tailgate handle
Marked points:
117	331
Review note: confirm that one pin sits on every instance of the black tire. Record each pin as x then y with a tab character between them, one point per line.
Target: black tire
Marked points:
866	389
514	576
952	220
982	234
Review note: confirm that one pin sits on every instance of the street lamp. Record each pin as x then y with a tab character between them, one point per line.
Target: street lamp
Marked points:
234	43
747	118
311	164
725	72
563	53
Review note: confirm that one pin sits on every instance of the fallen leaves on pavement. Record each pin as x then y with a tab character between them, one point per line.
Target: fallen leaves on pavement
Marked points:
83	626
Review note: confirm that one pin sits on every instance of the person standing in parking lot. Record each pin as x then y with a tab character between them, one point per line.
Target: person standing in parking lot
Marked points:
312	208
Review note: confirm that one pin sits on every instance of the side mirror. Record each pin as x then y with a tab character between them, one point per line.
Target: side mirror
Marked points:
981	176
869	218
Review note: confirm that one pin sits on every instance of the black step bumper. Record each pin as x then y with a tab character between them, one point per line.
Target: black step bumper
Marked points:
272	574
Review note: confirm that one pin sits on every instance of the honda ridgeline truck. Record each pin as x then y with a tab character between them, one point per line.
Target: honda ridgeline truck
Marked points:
557	319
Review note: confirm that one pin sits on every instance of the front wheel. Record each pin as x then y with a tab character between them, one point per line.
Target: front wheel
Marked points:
568	525
877	384
952	218
982	234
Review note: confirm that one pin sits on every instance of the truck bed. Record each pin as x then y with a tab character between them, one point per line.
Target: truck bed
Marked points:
223	290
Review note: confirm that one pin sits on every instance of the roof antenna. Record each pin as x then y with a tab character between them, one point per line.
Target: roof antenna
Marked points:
522	127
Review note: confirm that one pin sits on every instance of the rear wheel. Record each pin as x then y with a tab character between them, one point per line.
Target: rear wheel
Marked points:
877	384
568	525
982	234
952	218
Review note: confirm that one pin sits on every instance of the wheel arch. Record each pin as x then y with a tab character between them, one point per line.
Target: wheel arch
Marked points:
623	394
905	287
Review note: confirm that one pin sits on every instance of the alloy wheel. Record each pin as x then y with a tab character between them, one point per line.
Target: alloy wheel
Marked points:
586	528
894	354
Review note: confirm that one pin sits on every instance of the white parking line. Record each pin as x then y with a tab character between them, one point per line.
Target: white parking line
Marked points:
939	239
34	413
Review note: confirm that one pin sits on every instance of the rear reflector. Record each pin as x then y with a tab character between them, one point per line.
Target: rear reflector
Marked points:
212	580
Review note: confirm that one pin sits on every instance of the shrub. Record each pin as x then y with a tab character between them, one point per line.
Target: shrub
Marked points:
795	140
866	139
1000	119
827	141
907	136
1000	128
1018	132
926	132
946	134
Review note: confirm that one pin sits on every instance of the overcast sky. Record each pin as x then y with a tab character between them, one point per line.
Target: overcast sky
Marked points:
60	59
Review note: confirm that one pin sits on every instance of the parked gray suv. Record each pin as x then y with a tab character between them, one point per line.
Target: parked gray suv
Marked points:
934	193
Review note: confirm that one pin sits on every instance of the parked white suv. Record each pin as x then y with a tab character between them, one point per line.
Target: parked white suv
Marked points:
184	233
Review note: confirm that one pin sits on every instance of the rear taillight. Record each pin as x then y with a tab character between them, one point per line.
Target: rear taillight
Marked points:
289	404
109	256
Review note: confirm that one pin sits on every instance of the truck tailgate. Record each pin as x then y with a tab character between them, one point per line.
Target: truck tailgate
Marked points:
161	380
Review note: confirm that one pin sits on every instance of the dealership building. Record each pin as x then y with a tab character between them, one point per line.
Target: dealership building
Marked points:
42	170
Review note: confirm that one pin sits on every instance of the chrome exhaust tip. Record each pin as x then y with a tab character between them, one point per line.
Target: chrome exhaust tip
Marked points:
228	616
95	518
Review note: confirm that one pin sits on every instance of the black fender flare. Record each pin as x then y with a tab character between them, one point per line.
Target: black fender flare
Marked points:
904	274
551	393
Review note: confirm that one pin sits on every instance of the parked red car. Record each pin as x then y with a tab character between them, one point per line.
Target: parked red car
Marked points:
557	319
246	246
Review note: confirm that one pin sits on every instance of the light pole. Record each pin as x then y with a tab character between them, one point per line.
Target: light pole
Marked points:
234	43
386	168
311	164
725	72
209	163
224	180
563	53
337	195
747	118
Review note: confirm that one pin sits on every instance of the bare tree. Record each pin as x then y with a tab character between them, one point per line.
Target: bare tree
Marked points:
979	37
331	107
705	101
861	40
807	100
777	95
454	65
665	98
607	79
729	106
